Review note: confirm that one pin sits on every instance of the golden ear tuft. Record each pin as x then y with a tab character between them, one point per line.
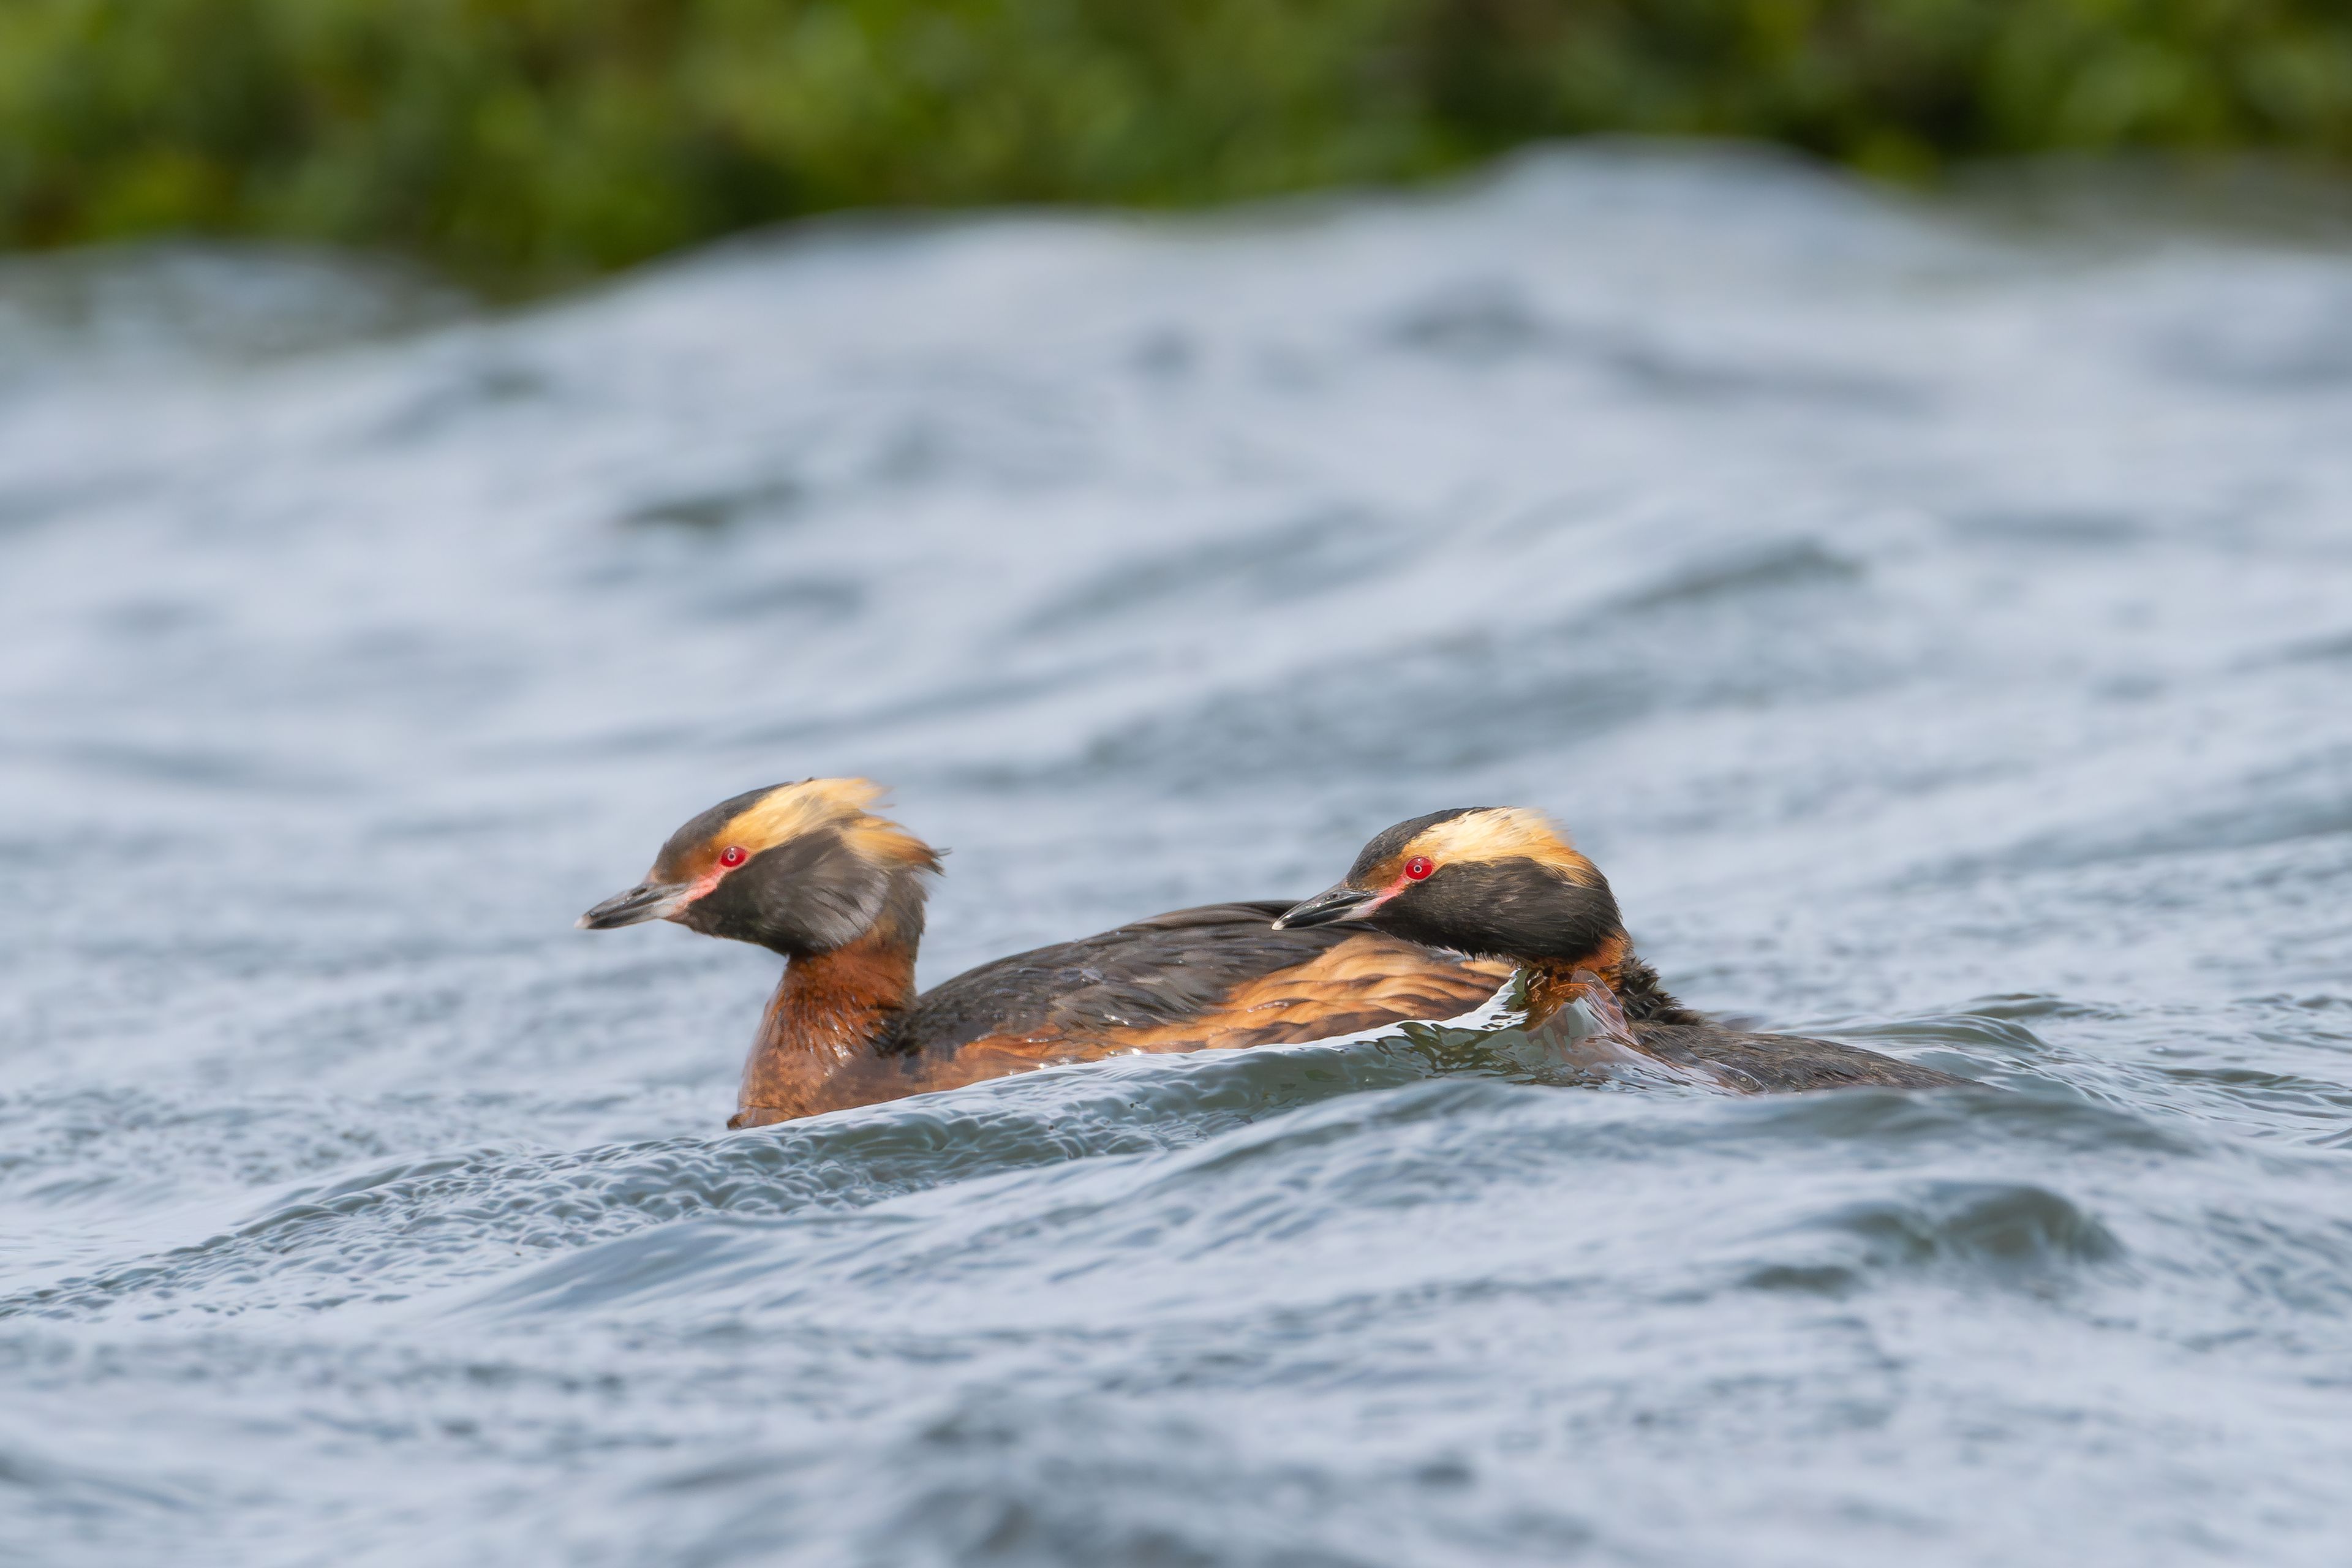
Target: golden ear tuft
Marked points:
1503	833
790	810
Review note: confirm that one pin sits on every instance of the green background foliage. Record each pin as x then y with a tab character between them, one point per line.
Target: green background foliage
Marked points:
534	139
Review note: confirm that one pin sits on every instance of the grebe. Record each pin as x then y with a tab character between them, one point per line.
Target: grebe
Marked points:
1502	882
806	870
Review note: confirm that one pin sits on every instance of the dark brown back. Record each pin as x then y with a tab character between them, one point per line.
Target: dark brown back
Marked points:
1151	974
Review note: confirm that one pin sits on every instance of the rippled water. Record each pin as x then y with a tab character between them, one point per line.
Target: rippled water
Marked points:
1943	638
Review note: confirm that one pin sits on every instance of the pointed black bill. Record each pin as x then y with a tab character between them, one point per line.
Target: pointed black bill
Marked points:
648	901
1326	907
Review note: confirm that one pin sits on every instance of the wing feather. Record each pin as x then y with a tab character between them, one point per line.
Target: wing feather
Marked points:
1218	975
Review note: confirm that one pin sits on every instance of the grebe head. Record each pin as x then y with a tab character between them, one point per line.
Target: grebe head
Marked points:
800	867
1492	881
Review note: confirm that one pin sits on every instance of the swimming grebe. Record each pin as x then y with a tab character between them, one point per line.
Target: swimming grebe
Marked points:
806	870
1502	882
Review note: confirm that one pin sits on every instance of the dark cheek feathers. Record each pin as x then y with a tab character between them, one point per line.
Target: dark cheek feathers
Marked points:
811	895
1506	909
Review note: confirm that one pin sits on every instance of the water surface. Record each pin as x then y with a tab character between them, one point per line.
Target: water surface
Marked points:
1942	636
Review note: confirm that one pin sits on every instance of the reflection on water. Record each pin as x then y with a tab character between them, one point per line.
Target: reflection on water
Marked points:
1940	635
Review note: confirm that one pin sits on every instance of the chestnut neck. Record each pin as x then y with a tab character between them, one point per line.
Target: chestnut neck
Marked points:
829	1009
1552	983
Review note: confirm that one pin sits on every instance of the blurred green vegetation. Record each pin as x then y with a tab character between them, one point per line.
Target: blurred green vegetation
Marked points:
536	140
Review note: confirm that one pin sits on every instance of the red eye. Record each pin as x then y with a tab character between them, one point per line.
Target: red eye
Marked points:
732	856
1417	868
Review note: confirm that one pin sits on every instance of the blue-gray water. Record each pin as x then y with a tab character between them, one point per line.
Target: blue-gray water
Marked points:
1942	636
